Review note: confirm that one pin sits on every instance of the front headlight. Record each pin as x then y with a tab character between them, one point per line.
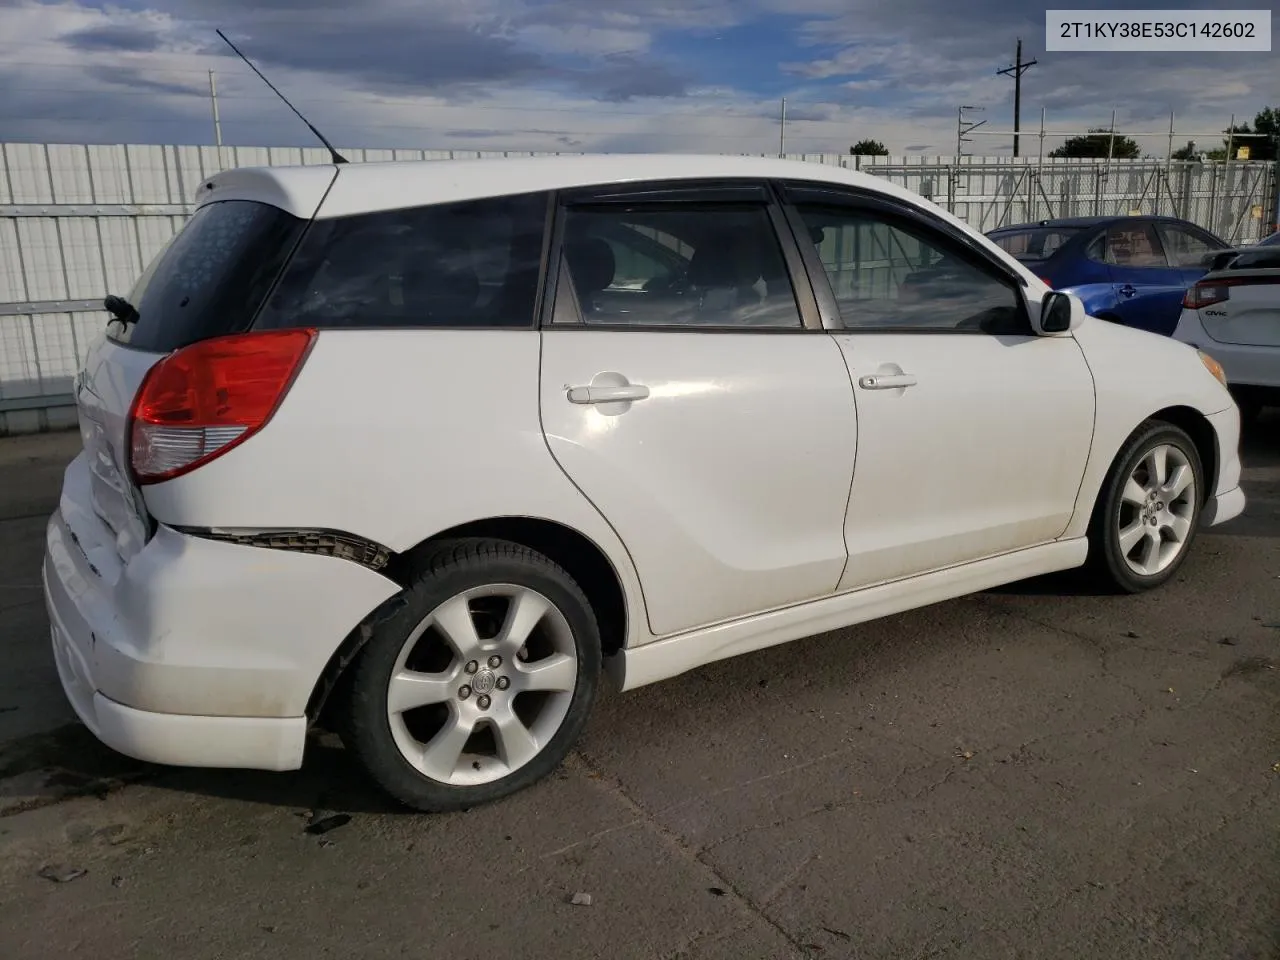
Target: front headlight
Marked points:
1213	366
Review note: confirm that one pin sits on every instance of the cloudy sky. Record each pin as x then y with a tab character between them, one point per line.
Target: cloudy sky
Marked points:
575	75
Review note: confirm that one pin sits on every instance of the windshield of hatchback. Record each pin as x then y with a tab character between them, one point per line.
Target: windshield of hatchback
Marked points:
211	278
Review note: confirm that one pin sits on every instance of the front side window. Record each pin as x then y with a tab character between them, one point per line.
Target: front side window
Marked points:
1183	247
698	265
473	263
889	273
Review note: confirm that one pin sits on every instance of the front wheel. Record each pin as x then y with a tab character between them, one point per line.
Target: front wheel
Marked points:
482	681
1148	509
1249	405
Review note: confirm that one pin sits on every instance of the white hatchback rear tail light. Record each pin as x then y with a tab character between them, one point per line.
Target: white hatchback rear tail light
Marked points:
205	399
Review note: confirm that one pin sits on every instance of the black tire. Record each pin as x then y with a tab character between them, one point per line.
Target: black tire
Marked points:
1106	557
1249	405
450	569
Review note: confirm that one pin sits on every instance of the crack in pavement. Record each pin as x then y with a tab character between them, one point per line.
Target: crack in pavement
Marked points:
1102	648
695	857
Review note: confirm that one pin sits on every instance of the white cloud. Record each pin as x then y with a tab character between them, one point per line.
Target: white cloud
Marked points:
582	75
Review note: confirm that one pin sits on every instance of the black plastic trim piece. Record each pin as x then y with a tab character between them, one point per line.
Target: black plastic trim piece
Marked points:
321	542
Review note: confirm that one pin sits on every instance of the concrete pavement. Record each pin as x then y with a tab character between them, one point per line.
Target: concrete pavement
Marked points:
1032	772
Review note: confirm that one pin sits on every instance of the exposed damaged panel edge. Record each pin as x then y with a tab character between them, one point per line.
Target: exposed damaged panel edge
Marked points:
322	542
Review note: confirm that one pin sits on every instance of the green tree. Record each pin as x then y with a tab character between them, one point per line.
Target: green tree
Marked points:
868	148
1267	122
1096	143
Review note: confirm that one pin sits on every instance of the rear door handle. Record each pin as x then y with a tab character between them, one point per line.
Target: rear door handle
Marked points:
886	381
607	394
1128	290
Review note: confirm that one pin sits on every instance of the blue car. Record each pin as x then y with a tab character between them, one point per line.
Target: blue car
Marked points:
1129	270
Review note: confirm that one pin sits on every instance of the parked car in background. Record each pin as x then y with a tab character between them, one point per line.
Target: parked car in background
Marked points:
1129	270
417	449
1218	260
1234	314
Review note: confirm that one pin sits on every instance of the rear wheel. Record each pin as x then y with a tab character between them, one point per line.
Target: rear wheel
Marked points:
1148	509
480	684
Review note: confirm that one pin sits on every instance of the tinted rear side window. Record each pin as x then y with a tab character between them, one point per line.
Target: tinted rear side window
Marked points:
1037	244
212	277
469	264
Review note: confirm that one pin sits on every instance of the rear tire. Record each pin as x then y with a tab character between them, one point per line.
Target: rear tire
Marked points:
1148	510
479	685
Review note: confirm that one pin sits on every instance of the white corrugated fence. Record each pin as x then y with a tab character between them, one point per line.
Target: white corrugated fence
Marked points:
77	221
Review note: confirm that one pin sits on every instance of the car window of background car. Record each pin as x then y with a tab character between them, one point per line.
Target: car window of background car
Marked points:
1134	245
1097	248
887	275
644	256
1040	243
472	263
1183	247
704	265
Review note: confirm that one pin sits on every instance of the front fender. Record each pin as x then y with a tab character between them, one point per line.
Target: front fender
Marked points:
1135	374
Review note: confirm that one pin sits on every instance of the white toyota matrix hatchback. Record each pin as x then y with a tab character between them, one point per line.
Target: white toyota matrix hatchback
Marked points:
420	449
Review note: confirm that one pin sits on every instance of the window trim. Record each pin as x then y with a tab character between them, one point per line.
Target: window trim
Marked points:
676	194
890	210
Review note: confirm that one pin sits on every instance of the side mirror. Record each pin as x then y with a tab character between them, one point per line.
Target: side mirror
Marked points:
1060	313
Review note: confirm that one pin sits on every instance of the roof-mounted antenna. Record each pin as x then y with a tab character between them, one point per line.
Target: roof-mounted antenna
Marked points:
337	157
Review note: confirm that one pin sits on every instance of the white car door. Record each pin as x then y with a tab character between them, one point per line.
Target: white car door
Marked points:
973	433
695	399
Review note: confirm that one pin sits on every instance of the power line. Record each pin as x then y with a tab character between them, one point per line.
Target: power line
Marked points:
711	101
364	125
409	101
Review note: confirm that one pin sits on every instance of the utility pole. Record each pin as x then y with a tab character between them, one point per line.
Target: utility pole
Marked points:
1016	71
963	126
782	131
217	122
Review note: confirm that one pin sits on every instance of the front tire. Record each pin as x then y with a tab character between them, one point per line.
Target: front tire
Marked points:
1249	405
479	685
1148	510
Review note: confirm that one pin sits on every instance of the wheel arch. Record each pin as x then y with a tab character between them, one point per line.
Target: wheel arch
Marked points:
580	556
1183	416
1200	430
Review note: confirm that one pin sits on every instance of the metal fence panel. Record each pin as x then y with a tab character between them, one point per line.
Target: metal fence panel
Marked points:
78	220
